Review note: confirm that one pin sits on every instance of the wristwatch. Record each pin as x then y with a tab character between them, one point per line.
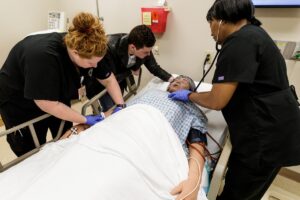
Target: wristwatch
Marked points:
74	131
121	105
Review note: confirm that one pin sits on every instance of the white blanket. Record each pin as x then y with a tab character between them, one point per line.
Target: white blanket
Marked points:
133	154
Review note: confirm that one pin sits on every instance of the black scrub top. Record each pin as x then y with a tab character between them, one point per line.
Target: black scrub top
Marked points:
262	116
116	59
39	68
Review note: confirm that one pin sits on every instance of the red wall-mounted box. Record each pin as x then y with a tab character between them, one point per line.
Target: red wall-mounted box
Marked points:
155	18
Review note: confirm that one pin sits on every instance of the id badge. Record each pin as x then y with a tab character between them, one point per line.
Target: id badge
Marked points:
82	93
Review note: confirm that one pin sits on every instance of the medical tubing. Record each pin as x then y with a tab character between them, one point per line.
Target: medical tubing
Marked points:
211	65
206	151
213	139
210	155
198	181
202	145
204	63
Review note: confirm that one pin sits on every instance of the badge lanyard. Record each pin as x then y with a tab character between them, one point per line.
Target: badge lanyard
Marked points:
82	90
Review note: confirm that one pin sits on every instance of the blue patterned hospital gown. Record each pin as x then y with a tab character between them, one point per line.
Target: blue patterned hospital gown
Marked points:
182	116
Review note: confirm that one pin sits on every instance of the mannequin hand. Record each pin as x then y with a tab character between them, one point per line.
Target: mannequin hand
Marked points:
93	119
184	188
180	95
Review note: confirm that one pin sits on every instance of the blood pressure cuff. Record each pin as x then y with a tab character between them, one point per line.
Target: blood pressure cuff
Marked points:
196	136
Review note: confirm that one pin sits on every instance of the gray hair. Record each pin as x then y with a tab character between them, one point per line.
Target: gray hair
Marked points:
191	82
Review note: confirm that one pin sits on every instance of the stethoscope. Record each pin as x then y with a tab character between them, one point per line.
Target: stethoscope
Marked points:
218	49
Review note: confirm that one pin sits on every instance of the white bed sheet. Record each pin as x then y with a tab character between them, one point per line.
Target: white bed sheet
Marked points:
136	158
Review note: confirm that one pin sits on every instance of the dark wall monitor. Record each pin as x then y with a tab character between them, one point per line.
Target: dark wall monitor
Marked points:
276	3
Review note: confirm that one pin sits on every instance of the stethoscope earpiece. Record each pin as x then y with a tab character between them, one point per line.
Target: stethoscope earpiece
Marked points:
218	47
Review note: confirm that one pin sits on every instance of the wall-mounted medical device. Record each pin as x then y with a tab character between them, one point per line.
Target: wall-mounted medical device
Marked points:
289	49
57	20
155	18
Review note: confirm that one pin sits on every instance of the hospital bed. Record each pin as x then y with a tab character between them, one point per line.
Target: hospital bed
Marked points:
218	144
96	107
216	126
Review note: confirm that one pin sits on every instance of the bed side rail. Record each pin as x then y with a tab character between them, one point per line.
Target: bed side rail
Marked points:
132	90
28	124
218	176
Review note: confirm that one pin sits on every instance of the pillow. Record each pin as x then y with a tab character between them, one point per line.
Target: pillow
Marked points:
161	85
203	87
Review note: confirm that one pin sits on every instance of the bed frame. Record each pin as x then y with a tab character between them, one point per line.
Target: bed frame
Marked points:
218	176
219	171
94	103
38	146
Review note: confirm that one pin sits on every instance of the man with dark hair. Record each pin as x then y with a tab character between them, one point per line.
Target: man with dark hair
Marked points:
126	54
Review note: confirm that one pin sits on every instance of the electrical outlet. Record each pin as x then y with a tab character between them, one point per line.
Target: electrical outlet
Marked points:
155	50
209	56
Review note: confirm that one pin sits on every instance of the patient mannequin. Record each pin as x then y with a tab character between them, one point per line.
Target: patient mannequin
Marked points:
188	122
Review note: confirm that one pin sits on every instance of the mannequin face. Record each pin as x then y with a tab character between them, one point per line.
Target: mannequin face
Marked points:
140	53
217	30
178	84
83	62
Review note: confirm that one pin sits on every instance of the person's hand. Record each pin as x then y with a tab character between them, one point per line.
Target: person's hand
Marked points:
118	108
93	119
184	189
171	79
180	95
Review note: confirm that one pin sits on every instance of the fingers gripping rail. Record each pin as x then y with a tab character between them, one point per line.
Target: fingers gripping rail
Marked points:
218	176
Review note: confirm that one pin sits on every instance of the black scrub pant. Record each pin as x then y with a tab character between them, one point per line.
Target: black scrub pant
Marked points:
93	87
245	183
21	141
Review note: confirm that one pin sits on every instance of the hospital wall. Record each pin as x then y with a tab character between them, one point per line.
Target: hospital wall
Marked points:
19	18
187	38
182	47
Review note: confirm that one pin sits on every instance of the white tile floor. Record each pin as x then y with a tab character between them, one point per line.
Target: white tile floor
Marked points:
283	189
